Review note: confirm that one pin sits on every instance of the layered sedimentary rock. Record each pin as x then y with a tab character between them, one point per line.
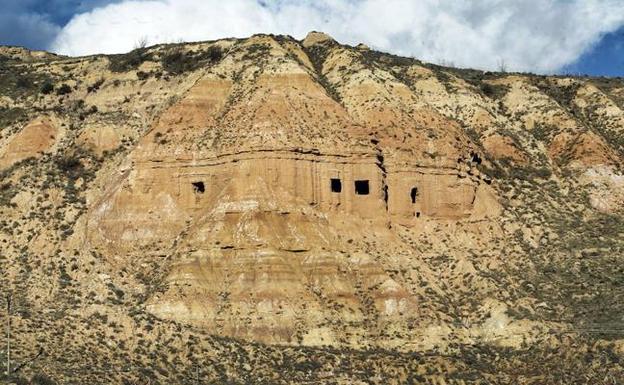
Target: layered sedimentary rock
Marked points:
260	201
38	137
307	193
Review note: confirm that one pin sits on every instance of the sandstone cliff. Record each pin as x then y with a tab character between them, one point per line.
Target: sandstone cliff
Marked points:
299	196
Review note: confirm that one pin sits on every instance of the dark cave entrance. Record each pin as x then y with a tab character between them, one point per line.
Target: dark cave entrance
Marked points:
361	187
336	185
198	187
414	194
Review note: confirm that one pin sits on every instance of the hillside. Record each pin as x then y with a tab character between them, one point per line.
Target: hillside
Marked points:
268	210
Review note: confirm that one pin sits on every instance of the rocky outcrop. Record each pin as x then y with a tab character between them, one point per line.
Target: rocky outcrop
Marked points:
258	200
305	193
36	138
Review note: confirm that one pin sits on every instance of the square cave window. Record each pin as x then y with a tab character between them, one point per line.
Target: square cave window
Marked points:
336	185
361	187
198	187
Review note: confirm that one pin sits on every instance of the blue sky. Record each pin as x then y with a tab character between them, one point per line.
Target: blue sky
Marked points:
544	36
605	58
35	23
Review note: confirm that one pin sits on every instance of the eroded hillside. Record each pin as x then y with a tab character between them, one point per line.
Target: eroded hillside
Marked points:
279	211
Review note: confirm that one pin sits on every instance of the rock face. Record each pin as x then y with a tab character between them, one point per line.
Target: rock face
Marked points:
309	194
31	142
257	198
210	145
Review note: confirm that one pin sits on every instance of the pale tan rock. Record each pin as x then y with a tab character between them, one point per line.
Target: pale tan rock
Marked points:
486	204
501	147
99	138
260	201
315	38
607	188
33	140
308	193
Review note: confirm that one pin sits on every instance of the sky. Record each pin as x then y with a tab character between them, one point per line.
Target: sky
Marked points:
541	36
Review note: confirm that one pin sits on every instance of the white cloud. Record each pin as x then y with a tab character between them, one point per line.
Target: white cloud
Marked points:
529	35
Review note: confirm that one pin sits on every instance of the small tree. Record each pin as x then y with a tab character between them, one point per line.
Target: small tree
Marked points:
141	43
502	65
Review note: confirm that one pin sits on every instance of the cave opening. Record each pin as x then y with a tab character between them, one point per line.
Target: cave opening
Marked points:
414	194
336	185
385	194
198	187
475	158
361	187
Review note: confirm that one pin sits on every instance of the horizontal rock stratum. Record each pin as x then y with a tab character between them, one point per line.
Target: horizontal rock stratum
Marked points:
268	209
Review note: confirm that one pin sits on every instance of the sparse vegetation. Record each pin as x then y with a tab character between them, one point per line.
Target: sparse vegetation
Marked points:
74	254
317	54
11	116
63	89
178	61
95	86
129	61
20	81
47	87
493	91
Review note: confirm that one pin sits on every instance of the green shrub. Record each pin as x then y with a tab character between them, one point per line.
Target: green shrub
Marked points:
214	53
47	87
70	165
177	61
42	379
128	61
493	91
95	86
10	116
142	75
64	89
23	82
